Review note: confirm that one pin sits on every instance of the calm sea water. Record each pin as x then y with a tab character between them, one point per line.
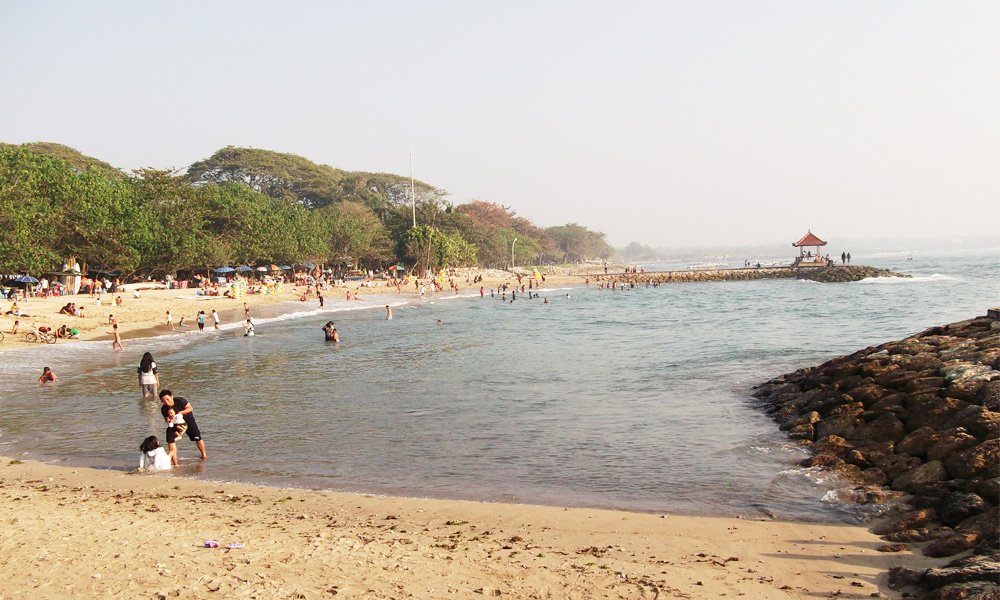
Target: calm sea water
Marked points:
634	400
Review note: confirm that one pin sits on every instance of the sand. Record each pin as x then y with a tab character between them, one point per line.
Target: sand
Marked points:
83	533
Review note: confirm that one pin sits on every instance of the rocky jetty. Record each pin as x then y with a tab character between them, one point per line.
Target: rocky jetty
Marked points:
914	425
829	274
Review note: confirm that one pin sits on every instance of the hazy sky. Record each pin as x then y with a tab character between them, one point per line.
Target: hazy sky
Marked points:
668	123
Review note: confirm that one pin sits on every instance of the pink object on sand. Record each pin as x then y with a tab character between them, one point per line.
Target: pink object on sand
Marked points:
211	544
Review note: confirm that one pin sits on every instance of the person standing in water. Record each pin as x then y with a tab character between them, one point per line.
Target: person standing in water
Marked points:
118	338
148	379
180	406
215	318
388	313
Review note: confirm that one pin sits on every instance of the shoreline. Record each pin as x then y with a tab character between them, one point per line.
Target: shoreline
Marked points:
96	533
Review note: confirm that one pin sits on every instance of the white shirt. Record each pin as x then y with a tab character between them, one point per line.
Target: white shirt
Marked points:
148	378
157	460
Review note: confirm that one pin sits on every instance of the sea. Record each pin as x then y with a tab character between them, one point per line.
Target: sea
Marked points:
636	400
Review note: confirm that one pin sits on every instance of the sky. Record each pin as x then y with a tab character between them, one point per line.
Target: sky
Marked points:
666	123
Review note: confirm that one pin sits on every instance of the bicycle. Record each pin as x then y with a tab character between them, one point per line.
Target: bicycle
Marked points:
40	337
1	336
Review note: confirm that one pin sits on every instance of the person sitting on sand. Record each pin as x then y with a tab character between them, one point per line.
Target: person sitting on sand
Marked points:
153	457
66	310
16	328
118	301
47	376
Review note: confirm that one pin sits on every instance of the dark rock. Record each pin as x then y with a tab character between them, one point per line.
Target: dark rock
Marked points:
849	409
895	403
885	428
929	501
840	426
982	525
892	548
866	495
918	479
917	443
912	519
947	442
950	545
804	431
963	570
987	489
974	590
834	445
968	391
867	393
919	536
896	465
989	396
959	506
825	461
926	384
928	410
979	462
977	420
903	577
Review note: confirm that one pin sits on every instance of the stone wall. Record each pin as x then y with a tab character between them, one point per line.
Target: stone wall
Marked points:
836	273
914	424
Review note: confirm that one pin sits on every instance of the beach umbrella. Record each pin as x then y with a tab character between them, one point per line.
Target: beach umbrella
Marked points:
244	268
273	268
286	268
26	279
310	265
225	270
261	268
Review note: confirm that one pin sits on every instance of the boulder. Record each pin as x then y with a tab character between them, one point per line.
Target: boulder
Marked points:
929	410
989	395
885	428
947	442
967	391
896	465
922	385
965	372
867	393
918	479
977	420
987	489
919	535
951	545
912	519
804	431
917	443
964	570
902	577
973	590
841	426
825	461
959	506
891	403
978	462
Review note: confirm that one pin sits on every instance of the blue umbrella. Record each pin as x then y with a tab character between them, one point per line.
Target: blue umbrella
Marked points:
310	265
26	279
286	268
225	270
244	268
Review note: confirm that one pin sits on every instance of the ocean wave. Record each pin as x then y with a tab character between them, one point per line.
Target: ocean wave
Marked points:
935	278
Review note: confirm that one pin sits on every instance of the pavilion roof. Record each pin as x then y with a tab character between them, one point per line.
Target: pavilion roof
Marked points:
809	240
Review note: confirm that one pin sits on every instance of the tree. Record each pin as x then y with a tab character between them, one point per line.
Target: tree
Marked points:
578	244
353	231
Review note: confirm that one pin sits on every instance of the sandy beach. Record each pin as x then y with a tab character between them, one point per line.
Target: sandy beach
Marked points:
146	315
83	533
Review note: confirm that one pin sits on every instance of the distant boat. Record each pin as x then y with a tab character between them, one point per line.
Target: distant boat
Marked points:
707	266
909	256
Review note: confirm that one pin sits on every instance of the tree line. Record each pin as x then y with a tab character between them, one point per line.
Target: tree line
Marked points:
247	206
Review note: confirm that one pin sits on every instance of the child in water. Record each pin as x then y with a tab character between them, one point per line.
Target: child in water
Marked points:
153	457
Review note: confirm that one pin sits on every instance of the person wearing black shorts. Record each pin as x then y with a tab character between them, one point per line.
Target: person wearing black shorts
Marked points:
180	406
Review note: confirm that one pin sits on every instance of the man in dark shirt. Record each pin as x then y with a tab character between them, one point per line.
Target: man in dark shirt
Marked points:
180	406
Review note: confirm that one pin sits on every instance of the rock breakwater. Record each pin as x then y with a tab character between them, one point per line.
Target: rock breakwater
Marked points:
830	274
913	424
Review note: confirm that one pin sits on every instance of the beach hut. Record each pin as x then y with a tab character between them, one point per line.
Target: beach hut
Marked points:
809	240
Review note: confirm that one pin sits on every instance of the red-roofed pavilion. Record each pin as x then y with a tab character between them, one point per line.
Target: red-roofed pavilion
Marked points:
809	240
